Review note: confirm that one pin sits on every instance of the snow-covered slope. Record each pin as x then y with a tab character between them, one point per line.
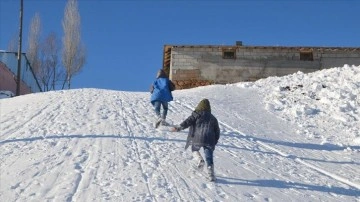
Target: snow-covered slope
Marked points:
293	138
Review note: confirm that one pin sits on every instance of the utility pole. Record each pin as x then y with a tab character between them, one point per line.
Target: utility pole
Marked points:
18	80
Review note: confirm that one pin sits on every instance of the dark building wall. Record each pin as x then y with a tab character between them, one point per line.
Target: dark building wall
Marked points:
29	83
8	81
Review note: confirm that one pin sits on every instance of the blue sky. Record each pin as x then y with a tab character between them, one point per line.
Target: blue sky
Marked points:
125	39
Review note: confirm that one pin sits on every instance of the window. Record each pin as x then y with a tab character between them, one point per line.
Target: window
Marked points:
306	55
229	54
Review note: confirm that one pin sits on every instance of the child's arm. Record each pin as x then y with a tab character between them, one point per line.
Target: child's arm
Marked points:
185	124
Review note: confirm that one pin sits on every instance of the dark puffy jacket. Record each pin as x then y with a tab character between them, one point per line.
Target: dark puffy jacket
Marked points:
203	129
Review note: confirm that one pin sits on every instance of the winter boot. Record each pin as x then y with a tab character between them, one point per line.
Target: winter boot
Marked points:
164	123
157	122
211	174
199	161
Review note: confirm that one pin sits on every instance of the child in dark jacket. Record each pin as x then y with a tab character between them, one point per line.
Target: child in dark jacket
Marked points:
204	132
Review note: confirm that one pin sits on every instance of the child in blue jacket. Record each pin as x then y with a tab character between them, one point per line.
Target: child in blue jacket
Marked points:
161	96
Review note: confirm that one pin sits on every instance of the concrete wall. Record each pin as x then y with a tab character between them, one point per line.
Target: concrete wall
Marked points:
8	81
337	58
197	66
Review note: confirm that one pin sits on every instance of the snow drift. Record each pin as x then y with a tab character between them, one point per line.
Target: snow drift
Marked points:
293	138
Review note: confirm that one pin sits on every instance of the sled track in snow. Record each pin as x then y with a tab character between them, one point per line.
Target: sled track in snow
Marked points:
309	165
133	141
151	183
201	195
283	154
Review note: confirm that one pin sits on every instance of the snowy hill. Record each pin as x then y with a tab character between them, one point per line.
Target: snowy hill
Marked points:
293	138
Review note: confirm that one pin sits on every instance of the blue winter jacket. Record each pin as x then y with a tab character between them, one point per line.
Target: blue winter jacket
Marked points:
161	90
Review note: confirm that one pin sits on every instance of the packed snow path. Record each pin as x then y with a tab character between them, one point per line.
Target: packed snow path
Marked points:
100	145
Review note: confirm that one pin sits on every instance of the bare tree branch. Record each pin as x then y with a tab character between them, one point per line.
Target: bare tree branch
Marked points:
50	73
13	43
33	43
73	57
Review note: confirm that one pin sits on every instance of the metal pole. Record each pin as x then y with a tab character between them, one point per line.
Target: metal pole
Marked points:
18	80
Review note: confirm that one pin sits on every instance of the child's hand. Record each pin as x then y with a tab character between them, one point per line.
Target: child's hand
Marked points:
174	129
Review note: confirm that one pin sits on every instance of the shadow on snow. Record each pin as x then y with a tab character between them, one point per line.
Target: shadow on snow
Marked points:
290	144
220	179
31	139
311	146
288	185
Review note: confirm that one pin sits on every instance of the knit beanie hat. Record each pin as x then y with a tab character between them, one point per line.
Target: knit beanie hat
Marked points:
161	73
204	105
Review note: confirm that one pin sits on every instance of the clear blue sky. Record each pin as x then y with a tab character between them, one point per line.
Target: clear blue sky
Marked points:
125	39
